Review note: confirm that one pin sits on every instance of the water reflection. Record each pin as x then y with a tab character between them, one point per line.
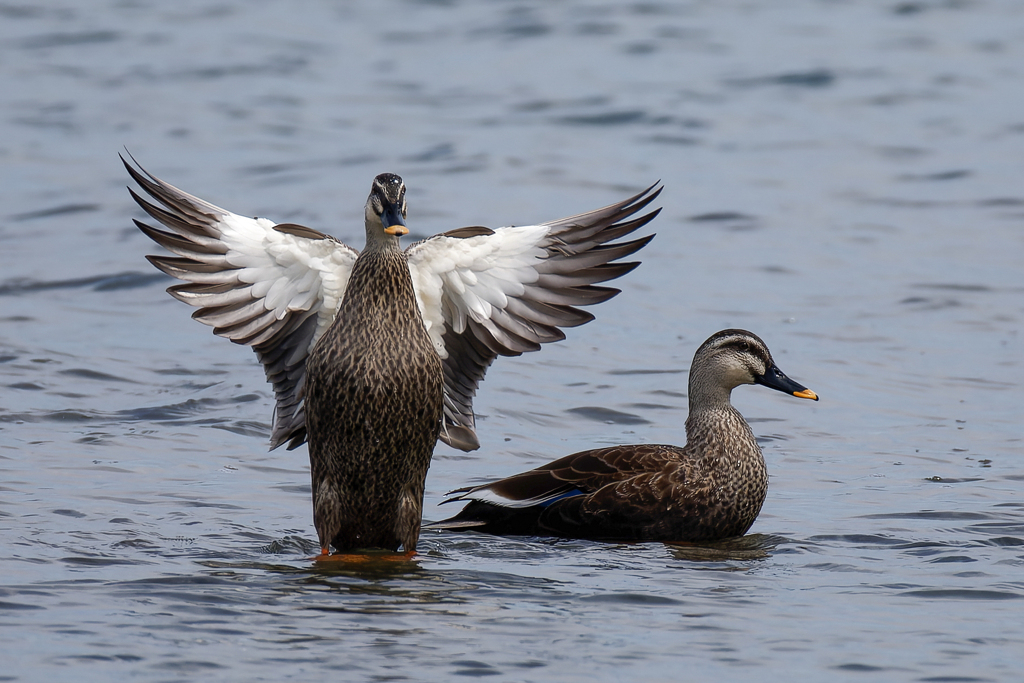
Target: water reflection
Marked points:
368	565
743	548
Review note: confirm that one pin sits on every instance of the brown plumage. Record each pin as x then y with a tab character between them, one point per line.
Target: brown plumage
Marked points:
709	489
374	398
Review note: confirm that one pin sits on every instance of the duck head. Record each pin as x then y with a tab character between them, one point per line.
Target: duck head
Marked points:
385	212
733	357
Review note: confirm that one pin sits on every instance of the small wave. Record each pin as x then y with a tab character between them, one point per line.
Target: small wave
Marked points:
51	40
60	210
54	416
646	372
443	151
627	598
99	283
99	561
291	545
174	411
85	373
930	514
962	594
26	386
730	220
1003	541
69	513
814	78
245	428
653	406
941	175
608	416
17	606
861	539
612	118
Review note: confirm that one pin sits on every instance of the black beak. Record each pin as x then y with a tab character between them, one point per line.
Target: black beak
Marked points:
773	378
392	219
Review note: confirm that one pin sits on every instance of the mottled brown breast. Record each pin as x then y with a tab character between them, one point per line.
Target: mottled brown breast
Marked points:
374	397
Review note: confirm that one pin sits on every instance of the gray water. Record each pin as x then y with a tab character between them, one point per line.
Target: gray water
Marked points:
842	178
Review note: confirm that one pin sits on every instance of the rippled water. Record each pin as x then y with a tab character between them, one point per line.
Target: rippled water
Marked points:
842	178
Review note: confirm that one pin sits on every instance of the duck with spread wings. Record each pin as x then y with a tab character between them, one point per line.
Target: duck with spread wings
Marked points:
374	355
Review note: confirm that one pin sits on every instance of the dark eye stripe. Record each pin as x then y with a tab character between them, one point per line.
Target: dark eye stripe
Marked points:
743	345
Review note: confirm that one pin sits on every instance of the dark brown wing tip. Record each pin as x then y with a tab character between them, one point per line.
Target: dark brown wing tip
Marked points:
137	172
641	199
455	495
454	523
467	232
300	231
293	440
463	438
647	195
625	249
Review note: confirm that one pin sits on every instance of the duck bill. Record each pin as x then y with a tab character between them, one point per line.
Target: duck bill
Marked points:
773	378
393	222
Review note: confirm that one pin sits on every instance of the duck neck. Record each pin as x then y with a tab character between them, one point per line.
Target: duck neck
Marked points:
713	419
380	281
707	392
379	287
378	241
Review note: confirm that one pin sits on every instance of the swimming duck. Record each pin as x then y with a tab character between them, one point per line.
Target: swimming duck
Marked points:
711	488
375	355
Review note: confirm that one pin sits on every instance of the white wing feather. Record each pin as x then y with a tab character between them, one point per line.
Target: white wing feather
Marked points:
460	278
273	287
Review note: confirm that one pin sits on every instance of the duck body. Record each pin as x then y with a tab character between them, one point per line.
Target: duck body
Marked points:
711	488
375	355
374	400
661	494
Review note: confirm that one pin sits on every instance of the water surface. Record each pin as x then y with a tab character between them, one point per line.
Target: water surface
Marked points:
841	178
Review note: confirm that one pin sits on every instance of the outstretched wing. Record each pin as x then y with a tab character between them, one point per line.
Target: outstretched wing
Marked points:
275	288
486	293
